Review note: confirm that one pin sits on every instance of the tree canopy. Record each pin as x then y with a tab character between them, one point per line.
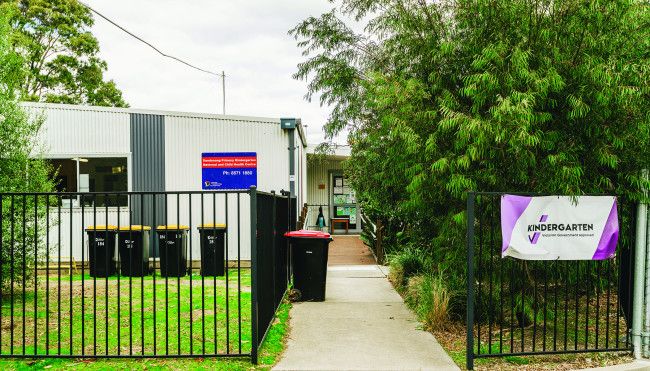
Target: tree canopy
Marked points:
60	53
444	97
21	170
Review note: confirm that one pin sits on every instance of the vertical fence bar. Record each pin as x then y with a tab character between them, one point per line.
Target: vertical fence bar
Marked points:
202	281
70	274
106	292
24	272
83	288
254	283
179	242
214	277
535	307
36	274
11	272
227	278
566	304
545	308
479	273
2	249
598	269
166	284
555	282
588	279
153	278
59	202
577	301
470	281
95	285
491	265
118	307
145	269
47	275
132	256
191	272
607	314
239	268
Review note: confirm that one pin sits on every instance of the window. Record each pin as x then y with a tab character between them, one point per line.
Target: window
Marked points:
105	174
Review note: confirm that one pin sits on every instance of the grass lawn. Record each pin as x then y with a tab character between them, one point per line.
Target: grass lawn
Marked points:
211	330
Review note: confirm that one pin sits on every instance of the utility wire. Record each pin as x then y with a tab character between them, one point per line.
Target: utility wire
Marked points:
222	75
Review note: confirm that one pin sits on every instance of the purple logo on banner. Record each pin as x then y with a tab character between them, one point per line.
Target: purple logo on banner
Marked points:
229	170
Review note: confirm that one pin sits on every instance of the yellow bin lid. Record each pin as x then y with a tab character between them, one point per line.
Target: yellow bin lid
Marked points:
172	227
101	228
135	228
212	226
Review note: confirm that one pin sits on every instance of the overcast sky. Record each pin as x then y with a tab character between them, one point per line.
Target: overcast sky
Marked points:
247	39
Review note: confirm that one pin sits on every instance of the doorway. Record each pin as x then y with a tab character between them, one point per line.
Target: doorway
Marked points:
343	204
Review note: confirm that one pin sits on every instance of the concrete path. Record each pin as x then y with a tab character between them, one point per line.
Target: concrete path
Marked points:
362	325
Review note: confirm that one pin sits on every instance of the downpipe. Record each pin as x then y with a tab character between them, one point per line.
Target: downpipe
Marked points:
646	327
640	274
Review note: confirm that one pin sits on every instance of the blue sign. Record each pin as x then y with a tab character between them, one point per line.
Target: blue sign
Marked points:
229	170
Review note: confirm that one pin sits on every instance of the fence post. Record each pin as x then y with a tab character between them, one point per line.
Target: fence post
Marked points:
470	281
639	279
273	249
379	237
254	281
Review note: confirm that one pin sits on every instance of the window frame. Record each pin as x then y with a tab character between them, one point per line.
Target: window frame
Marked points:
77	156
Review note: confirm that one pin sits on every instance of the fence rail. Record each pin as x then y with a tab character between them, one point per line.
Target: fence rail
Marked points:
94	275
523	307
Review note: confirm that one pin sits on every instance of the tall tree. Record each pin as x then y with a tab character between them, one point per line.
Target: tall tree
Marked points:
21	170
60	53
443	97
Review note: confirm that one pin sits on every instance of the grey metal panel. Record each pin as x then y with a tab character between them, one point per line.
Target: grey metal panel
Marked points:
148	174
70	132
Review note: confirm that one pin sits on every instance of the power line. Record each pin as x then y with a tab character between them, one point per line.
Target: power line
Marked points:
222	75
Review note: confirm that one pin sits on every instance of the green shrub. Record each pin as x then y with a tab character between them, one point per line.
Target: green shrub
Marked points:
430	298
406	264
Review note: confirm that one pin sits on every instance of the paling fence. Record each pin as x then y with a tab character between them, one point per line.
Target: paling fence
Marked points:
525	307
139	274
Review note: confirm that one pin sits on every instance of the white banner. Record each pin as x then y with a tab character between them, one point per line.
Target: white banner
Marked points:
559	227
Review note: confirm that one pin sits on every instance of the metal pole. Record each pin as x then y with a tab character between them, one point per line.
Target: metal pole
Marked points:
292	163
470	281
254	282
646	327
639	278
223	90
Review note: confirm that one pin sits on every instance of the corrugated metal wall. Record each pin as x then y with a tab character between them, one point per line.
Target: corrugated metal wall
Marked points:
148	152
318	173
61	224
186	138
77	130
165	151
148	170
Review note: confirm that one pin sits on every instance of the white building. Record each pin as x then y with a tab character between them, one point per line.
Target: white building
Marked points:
99	149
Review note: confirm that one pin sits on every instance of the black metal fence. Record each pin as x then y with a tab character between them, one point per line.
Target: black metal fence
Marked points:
523	307
271	259
137	274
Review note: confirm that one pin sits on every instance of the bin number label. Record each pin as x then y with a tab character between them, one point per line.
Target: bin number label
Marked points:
172	241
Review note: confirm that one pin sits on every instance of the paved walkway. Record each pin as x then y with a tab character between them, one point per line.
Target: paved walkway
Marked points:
362	325
349	250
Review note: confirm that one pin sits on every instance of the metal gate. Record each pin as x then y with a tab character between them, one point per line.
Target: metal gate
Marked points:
523	307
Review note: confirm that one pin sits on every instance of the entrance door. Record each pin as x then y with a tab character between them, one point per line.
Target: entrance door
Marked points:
343	202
